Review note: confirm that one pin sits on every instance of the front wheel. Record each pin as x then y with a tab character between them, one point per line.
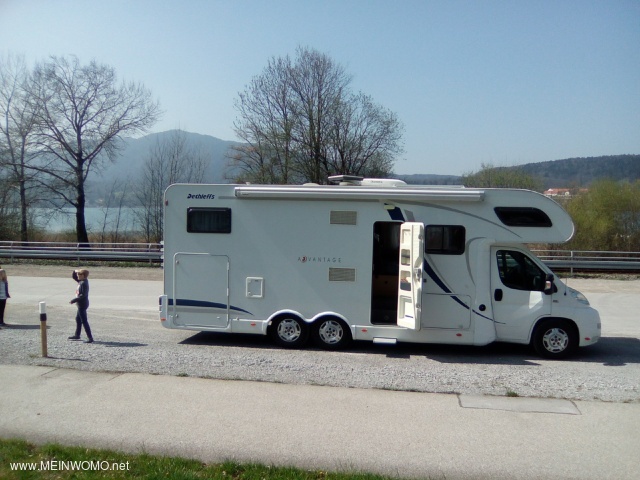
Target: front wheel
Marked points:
555	339
331	334
289	332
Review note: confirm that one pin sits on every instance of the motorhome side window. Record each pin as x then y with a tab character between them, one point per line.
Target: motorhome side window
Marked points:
209	220
445	239
523	217
519	272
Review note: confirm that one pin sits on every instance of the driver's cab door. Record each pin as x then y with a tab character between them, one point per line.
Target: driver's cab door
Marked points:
410	275
518	285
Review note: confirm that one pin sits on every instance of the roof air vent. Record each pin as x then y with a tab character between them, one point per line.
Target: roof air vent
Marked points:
345	179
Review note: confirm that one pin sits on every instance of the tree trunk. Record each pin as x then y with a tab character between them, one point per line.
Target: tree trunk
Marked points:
24	235
81	227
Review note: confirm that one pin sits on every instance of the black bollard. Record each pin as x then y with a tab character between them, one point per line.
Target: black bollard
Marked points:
43	328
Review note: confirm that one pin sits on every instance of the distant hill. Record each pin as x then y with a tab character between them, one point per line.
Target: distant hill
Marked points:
570	172
580	172
567	173
136	151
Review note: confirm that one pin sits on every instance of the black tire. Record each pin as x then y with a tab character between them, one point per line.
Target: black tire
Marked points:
289	331
555	339
331	334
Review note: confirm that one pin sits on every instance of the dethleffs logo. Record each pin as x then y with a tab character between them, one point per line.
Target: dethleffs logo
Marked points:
201	196
319	259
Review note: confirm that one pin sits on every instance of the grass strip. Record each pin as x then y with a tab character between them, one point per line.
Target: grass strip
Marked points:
21	460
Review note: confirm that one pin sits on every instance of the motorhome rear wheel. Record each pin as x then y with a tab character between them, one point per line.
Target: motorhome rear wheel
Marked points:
331	334
289	331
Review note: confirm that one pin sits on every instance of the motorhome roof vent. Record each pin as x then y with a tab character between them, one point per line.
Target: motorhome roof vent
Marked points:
383	182
345	179
372	182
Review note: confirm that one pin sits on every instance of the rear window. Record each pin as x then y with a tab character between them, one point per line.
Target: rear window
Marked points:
209	220
523	217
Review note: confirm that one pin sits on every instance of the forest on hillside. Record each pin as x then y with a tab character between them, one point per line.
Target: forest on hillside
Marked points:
581	172
568	173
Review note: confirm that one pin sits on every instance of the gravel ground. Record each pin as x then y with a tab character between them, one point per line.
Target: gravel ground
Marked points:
134	341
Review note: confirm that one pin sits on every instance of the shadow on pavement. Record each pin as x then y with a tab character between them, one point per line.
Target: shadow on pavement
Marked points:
609	351
22	327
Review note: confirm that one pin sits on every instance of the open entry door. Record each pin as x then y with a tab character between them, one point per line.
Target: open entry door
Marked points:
410	275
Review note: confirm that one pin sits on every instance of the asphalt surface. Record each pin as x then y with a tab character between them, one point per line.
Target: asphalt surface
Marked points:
403	434
406	434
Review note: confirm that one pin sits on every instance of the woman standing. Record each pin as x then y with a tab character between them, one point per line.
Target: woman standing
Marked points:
82	302
4	294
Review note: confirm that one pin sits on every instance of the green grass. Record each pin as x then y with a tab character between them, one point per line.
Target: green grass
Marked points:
115	465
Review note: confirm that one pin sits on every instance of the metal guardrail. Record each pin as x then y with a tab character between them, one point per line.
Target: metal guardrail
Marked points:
120	252
152	252
590	260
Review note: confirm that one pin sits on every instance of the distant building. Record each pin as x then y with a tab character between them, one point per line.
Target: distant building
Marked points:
556	192
564	192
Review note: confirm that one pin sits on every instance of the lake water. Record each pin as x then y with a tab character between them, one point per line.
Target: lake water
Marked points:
56	221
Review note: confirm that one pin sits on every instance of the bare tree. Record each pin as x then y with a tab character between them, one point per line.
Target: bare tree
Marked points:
8	210
266	126
365	138
299	122
114	201
81	115
16	134
171	160
320	88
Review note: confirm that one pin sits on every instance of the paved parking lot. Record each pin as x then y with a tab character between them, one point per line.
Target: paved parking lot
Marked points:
420	411
124	319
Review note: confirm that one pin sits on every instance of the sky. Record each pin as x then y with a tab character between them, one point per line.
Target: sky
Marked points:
499	82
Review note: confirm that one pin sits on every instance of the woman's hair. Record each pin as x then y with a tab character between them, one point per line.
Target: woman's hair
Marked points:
83	271
3	275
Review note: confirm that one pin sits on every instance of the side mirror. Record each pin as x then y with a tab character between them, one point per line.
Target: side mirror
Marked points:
549	286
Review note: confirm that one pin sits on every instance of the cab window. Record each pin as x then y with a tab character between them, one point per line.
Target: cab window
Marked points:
519	272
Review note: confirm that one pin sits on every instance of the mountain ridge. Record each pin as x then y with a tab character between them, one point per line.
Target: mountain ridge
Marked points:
563	173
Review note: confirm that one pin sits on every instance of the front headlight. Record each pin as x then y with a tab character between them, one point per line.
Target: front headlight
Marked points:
578	296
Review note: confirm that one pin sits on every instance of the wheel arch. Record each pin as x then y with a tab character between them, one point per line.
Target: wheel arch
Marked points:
542	320
555	338
323	315
283	313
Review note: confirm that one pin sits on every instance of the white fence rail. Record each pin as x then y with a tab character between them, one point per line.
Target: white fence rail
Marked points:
152	252
119	252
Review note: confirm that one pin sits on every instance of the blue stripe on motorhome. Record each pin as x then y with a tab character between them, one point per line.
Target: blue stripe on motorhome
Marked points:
434	276
182	302
396	214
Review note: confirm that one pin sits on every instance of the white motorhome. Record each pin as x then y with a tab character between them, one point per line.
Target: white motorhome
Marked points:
369	259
